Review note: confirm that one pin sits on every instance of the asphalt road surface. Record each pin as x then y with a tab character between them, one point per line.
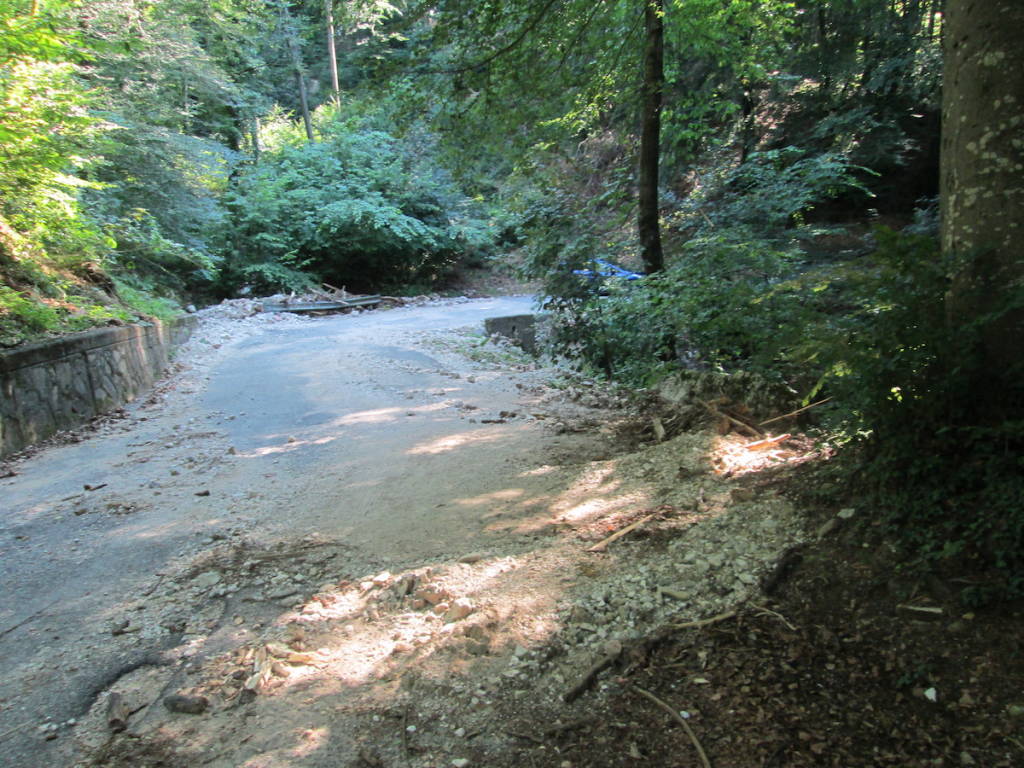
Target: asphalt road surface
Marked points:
360	429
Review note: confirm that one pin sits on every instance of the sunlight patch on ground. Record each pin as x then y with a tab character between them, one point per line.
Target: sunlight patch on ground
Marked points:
286	447
588	510
375	416
431	407
359	630
595	493
733	455
546	469
507	494
452	442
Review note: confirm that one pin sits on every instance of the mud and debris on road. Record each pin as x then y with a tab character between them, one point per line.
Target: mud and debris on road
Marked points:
382	553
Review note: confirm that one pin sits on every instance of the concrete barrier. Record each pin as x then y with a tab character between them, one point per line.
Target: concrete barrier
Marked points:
62	383
520	329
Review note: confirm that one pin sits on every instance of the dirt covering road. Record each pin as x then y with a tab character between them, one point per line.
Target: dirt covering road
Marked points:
377	498
364	540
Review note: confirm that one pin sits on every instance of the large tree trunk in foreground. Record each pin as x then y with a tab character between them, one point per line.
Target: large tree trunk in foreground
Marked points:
648	220
983	166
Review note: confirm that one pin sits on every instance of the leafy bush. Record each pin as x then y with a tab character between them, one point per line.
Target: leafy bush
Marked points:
54	247
47	138
19	314
145	303
144	256
772	191
938	430
270	278
361	208
723	303
941	429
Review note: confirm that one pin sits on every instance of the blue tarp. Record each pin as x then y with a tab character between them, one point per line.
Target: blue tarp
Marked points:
603	268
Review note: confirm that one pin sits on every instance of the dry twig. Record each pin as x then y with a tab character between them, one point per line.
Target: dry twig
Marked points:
679	719
740	425
794	413
584	682
600	546
705	622
572	725
776	614
525	737
760	445
673	593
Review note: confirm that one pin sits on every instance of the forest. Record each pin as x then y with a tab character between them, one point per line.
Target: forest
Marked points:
781	171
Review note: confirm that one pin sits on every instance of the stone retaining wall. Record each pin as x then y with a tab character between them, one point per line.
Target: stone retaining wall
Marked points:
61	384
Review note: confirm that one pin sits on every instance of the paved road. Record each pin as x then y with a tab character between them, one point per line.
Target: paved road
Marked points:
347	427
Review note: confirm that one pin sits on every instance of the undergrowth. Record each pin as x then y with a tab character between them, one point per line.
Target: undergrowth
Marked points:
931	428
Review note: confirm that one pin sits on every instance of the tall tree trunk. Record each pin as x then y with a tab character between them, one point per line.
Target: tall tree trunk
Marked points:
257	149
332	56
648	219
982	201
300	77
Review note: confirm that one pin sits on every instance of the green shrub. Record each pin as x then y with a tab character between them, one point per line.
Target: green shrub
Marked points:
941	430
770	192
270	278
723	303
143	303
360	208
20	314
150	261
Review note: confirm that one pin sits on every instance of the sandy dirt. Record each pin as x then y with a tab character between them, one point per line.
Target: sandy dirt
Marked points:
354	540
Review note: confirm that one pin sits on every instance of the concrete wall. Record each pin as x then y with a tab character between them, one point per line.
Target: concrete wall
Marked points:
520	329
60	384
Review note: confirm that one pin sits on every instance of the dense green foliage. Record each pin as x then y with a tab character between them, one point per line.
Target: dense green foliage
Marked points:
943	458
359	208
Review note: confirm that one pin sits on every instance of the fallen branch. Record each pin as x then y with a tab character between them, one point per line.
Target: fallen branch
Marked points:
27	619
740	425
600	546
152	589
679	719
336	291
794	413
705	622
584	682
760	445
776	614
525	737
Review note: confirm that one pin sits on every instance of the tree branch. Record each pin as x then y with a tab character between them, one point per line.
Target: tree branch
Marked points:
526	30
